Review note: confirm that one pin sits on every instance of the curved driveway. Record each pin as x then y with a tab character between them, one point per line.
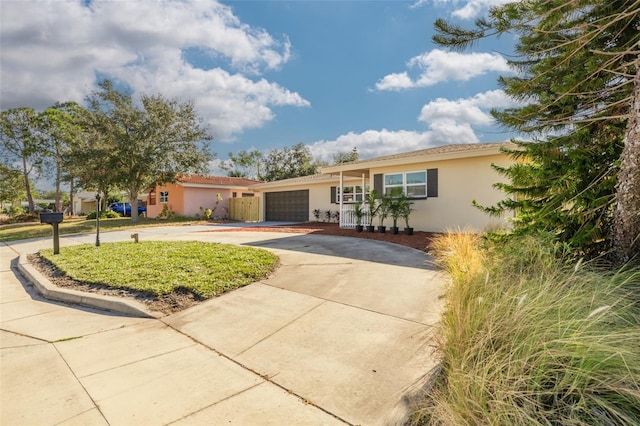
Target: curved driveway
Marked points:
341	333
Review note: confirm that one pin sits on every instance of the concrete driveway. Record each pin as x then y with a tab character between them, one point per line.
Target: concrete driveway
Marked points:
341	333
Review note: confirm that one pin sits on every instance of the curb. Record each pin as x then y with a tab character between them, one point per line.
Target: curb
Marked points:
108	303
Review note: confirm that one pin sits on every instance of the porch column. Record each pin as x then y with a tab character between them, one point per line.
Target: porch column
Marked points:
364	200
339	191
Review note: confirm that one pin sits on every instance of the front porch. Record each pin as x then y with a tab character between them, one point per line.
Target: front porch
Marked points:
348	218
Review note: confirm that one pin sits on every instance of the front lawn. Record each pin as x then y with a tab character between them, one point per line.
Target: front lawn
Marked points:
159	268
22	231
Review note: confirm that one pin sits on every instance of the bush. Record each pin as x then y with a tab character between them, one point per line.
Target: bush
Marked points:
105	214
528	340
14	210
22	218
166	213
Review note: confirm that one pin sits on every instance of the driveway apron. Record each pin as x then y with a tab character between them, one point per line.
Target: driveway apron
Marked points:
341	333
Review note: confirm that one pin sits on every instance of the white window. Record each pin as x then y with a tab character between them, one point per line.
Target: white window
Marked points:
412	184
351	194
164	196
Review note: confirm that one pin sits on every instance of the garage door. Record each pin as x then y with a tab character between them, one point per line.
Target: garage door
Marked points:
289	206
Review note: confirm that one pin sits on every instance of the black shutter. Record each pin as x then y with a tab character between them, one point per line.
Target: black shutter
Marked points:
333	195
377	184
432	182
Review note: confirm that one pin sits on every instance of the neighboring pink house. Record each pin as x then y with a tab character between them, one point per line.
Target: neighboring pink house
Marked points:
190	193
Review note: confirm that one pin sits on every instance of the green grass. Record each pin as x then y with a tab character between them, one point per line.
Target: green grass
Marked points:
159	268
20	231
529	339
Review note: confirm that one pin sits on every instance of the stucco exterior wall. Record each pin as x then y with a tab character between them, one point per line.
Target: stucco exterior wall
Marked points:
194	198
460	182
176	200
187	200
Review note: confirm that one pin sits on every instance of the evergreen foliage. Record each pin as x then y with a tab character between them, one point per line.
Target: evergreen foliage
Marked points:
576	61
289	162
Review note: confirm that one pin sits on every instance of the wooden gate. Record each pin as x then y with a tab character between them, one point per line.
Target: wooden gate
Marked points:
245	209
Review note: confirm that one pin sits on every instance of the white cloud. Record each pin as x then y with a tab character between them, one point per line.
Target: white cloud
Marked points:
439	66
215	169
468	10
450	122
52	51
474	8
471	111
374	143
395	81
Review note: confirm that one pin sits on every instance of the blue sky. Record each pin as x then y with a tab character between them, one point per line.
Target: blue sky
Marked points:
267	74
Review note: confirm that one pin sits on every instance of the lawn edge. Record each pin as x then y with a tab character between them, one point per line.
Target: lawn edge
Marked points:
103	302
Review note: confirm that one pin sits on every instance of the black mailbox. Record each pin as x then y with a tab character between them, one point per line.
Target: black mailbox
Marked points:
50	217
54	219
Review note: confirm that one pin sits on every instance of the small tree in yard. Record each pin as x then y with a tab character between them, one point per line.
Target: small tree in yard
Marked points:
151	143
21	142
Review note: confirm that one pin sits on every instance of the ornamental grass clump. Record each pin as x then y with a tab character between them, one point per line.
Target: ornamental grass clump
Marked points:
527	339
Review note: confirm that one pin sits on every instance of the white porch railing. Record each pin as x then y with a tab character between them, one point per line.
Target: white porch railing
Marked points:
348	217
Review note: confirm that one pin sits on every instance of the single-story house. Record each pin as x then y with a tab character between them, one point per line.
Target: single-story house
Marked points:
84	202
442	183
190	195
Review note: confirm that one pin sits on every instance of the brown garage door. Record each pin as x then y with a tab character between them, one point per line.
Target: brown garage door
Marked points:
289	206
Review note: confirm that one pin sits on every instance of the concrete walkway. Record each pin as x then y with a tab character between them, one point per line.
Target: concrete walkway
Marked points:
340	334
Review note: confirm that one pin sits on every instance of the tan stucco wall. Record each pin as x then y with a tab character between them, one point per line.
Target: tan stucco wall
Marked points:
460	182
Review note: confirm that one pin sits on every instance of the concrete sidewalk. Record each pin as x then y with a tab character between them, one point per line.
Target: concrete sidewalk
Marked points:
339	334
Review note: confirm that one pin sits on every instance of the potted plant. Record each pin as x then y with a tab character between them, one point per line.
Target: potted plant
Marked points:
358	211
395	210
405	211
372	200
382	211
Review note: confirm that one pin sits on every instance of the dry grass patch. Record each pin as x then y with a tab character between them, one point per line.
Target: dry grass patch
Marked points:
527	339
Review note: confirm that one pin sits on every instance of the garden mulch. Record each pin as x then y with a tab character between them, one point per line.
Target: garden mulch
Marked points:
419	240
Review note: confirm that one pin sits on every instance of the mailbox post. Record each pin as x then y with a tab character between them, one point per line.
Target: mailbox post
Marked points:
98	220
54	219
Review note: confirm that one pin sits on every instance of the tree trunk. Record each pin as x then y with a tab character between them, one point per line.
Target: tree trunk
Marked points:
626	216
72	208
58	177
133	200
27	186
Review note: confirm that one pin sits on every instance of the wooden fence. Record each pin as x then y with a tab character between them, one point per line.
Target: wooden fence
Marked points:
245	209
